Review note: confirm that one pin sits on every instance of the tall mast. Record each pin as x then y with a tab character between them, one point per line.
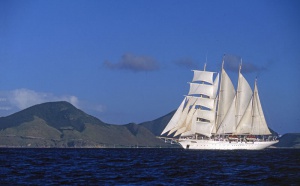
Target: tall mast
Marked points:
238	95
203	81
219	96
253	104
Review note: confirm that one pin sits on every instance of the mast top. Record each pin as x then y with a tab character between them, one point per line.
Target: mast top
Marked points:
223	61
240	68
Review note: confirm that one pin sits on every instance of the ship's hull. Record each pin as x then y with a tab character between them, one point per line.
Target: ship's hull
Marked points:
224	145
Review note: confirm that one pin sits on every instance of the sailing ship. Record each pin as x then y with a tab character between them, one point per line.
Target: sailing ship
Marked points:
216	116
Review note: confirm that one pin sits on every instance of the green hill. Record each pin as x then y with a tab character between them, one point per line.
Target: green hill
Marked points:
60	124
55	114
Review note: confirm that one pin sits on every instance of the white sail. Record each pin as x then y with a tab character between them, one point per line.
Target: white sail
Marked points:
244	94
205	102
260	126
203	76
214	129
207	113
188	133
245	125
237	108
226	96
187	123
204	89
182	118
228	124
215	86
172	123
190	119
201	127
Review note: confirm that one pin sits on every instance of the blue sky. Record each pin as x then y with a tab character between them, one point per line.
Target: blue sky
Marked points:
130	61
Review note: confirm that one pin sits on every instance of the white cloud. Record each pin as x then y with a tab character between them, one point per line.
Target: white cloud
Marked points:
19	99
24	98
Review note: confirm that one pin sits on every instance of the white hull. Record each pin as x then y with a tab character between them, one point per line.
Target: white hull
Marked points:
224	145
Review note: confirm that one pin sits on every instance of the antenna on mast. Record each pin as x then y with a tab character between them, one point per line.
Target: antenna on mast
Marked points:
240	68
223	61
205	62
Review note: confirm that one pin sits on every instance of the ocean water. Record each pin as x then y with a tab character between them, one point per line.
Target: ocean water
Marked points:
148	167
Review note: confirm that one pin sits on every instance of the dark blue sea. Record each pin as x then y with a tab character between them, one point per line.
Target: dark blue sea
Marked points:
148	167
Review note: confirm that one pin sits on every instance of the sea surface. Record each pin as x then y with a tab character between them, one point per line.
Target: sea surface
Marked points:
148	166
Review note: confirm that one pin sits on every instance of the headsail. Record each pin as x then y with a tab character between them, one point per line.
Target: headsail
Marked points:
172	123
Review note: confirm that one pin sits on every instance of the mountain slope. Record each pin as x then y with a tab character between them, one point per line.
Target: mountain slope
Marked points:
60	124
157	126
56	114
291	140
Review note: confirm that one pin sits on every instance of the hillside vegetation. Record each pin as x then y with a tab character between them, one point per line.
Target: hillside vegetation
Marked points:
60	124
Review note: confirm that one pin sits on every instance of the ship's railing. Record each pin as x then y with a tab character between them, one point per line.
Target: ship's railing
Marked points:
169	140
233	138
